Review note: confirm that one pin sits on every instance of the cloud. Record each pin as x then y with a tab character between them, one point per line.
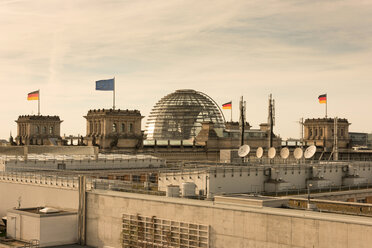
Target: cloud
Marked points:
228	48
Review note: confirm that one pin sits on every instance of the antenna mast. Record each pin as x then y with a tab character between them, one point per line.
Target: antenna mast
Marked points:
301	122
242	107
335	139
271	119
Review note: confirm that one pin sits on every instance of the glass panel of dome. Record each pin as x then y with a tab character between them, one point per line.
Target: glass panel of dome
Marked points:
179	116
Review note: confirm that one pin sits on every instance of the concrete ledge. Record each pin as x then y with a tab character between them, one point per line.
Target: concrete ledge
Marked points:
252	201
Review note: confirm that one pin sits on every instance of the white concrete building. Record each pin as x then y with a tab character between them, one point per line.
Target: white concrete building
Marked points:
57	227
212	181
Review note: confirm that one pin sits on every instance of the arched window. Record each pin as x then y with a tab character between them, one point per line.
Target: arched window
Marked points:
131	127
99	128
91	127
44	129
321	132
122	128
51	130
37	129
114	127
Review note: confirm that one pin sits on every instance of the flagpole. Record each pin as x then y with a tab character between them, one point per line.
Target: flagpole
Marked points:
38	103
114	96
231	110
326	104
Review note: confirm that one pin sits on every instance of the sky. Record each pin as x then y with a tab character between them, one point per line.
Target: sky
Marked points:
295	50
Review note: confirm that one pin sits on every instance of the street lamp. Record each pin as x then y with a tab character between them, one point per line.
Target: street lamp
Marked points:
308	192
309	205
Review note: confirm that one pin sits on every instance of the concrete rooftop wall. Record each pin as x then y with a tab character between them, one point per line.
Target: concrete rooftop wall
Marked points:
83	164
230	226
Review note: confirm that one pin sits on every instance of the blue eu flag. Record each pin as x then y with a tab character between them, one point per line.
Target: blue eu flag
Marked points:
108	84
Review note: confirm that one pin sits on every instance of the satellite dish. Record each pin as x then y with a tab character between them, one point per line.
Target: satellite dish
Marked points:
271	152
244	150
310	151
298	153
284	153
259	152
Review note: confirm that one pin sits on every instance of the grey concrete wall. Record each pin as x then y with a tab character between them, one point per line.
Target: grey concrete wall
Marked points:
249	180
183	154
59	230
36	195
83	164
12	150
62	150
230	226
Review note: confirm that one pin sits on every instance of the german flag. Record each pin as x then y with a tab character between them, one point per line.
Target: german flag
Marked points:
33	95
322	98
227	105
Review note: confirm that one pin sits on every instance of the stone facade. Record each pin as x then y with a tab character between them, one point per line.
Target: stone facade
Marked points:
108	128
38	130
321	132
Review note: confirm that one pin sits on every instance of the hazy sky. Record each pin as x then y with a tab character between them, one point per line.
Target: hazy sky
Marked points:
295	50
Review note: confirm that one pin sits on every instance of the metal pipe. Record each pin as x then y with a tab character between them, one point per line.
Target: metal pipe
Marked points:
82	210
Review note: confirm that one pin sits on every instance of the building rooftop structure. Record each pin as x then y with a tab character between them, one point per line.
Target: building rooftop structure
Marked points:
38	117
114	128
180	115
38	130
50	226
112	112
325	132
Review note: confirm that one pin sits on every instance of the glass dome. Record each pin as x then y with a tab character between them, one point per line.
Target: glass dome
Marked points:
179	116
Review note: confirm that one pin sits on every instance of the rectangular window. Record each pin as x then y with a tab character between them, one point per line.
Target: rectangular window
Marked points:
61	166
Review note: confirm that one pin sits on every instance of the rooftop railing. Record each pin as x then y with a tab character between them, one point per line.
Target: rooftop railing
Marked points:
58	181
